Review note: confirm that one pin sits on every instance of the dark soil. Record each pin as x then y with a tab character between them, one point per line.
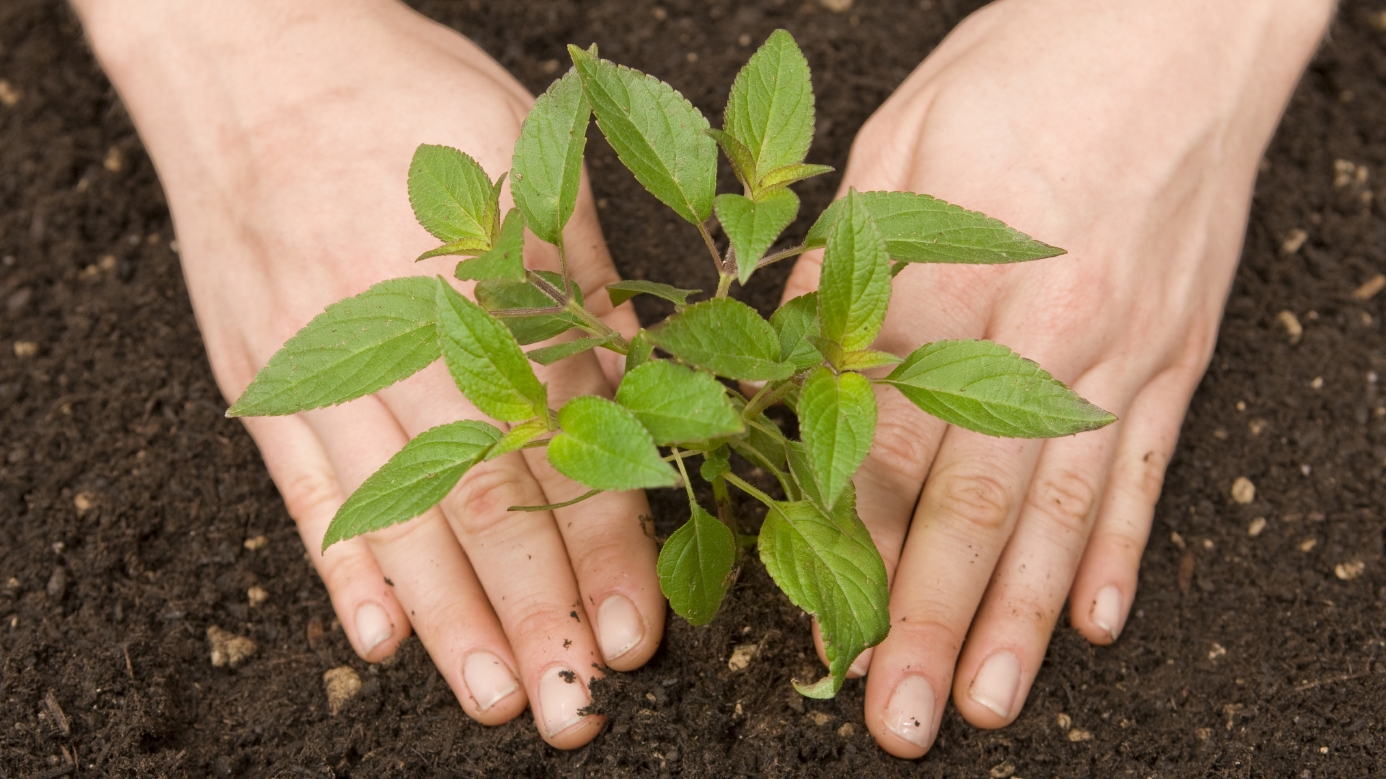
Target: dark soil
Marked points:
1245	656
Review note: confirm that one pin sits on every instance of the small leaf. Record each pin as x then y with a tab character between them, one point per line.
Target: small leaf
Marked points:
547	165
829	567
549	355
414	480
791	174
452	196
770	109
485	360
987	388
695	567
743	163
854	288
657	134
678	404
795	321
498	295
753	225
865	360
604	446
622	291
505	260
796	457
357	346
466	246
919	228
837	420
640	351
716	462
725	336
517	436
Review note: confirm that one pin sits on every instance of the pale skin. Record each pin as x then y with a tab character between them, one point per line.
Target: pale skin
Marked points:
1128	133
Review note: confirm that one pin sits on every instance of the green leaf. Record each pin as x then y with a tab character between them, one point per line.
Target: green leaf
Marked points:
604	446
656	132
549	355
357	346
985	387
640	350
791	174
770	109
865	360
716	461
795	321
485	360
919	228
622	291
678	404
837	420
743	163
854	288
762	435
695	567
517	436
505	260
753	225
452	196
467	246
828	566
725	336
414	480
796	457
547	164
498	295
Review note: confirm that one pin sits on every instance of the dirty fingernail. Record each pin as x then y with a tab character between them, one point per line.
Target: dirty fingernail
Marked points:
910	713
488	679
373	626
1106	610
562	694
860	665
619	627
996	683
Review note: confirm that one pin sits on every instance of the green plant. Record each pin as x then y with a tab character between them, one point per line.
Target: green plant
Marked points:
811	354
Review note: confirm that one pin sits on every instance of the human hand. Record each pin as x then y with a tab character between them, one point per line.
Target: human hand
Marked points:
282	135
1130	135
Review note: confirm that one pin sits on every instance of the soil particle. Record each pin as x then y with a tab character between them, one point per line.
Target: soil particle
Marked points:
57	583
229	649
847	730
742	656
256	596
1293	241
1078	734
256	543
9	96
82	502
1243	491
1293	329
1257	526
1369	288
341	684
1349	570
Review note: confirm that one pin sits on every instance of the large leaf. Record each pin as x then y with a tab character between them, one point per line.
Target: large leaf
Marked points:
919	228
604	446
854	288
485	360
622	291
498	295
828	566
770	110
414	480
795	322
725	336
452	196
357	346
505	260
547	164
837	420
656	132
985	387
695	567
753	225
678	404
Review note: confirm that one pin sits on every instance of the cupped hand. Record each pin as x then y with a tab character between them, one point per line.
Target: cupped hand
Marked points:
282	135
1129	135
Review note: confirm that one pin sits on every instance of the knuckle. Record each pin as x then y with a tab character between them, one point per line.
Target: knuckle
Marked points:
309	493
481	501
978	500
903	446
1066	499
1145	475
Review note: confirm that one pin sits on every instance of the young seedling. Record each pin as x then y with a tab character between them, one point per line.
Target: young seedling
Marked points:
678	397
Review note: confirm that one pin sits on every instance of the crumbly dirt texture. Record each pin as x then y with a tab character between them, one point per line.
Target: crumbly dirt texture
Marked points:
126	499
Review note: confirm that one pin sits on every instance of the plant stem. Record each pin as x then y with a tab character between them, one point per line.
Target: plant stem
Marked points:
552	506
563	269
724	281
766	398
687	485
770	259
712	249
748	488
598	328
512	312
557	295
756	458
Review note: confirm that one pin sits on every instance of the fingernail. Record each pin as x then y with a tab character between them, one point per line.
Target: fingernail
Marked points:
619	627
373	626
996	683
860	665
910	713
488	679
1106	610
562	693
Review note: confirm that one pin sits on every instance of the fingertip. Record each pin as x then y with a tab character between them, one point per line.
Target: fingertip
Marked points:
992	696
1104	617
907	721
560	712
373	631
628	635
493	694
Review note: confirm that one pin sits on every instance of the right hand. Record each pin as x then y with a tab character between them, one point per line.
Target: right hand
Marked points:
282	135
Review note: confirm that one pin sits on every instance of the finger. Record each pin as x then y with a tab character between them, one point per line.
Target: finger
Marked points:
1007	641
428	571
522	564
1105	586
965	515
